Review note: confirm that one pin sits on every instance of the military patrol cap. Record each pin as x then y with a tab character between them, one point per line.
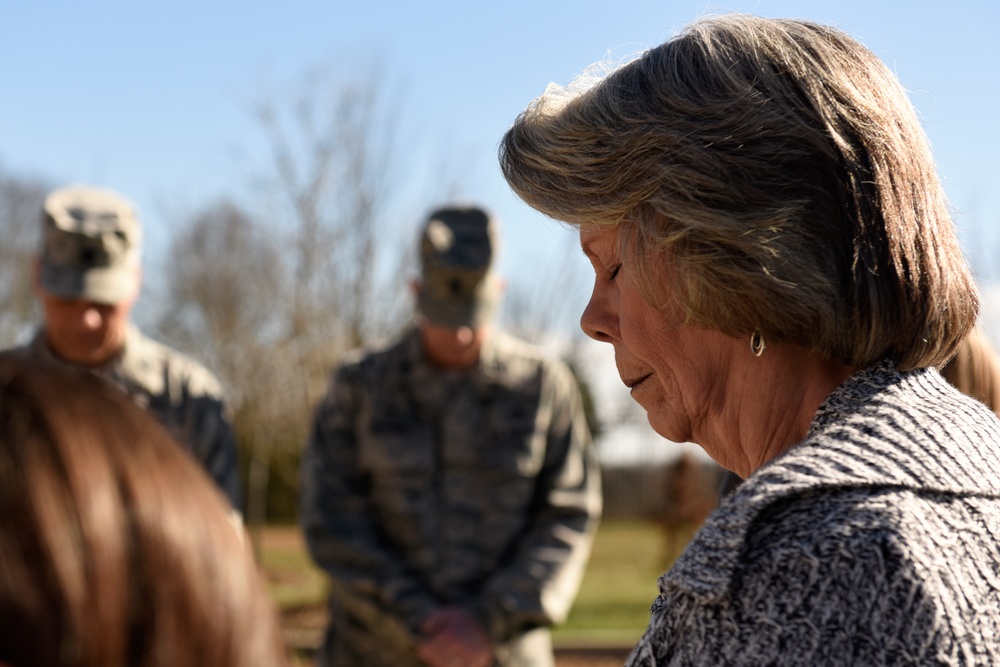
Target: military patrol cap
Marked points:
90	245
458	286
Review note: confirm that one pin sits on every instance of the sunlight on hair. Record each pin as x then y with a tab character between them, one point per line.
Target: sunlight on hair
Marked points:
556	96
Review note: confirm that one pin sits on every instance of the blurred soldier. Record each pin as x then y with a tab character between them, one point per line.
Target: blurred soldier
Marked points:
449	488
87	279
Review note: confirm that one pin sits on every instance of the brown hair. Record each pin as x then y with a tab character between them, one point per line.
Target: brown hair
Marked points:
115	548
780	171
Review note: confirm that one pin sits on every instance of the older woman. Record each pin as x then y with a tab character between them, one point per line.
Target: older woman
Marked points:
778	274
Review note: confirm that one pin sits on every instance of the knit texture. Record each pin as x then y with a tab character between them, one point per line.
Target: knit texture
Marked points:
874	541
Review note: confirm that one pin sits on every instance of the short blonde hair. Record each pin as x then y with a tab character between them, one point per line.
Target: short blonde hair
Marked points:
778	168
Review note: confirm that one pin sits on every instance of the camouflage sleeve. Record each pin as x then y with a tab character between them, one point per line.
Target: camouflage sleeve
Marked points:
209	431
540	581
343	536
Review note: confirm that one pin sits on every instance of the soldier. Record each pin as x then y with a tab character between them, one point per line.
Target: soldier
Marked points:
87	279
449	488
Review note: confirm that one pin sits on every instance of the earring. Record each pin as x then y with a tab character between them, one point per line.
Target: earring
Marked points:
757	344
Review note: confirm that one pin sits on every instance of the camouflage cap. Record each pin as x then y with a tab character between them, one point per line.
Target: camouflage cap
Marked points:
90	245
458	286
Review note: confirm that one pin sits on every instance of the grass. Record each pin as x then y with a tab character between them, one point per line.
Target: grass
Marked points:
618	585
612	606
292	578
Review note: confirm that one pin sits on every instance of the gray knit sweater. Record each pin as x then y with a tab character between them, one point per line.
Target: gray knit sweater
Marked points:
874	541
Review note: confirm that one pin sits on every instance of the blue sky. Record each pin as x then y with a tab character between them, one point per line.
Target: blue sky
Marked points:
153	98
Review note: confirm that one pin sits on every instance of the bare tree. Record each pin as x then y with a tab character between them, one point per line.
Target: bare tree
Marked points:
328	182
223	296
272	301
272	311
225	301
20	206
539	309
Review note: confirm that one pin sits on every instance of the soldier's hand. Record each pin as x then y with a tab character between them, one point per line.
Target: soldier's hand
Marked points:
454	638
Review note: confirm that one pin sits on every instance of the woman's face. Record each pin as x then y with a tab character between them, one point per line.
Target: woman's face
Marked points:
677	373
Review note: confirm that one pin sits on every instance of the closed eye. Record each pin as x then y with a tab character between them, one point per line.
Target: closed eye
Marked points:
614	272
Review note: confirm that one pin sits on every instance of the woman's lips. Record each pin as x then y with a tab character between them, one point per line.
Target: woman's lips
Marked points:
635	382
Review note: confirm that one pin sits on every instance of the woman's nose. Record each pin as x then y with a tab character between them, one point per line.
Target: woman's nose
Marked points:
599	321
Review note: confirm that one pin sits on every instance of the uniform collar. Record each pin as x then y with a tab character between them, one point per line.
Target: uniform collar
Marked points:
130	367
139	364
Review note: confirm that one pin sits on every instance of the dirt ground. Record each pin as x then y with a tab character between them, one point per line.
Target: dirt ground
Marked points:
303	629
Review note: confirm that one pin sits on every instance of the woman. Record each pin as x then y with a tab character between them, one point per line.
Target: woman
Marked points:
975	369
115	548
777	272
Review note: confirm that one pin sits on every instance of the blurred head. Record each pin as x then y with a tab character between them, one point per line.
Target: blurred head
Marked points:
975	370
115	548
87	275
458	291
86	333
762	175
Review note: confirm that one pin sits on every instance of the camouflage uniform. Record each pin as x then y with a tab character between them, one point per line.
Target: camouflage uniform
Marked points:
180	393
425	487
